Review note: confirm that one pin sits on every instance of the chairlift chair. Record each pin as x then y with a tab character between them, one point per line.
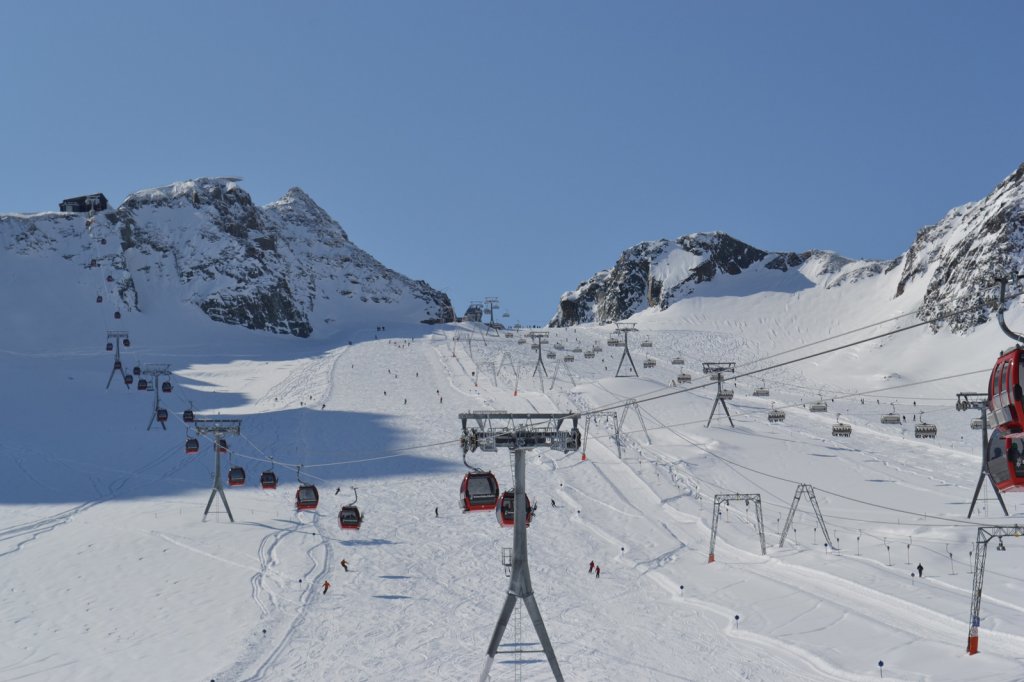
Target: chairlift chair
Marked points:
684	378
977	423
589	355
923	429
761	391
306	497
840	429
646	343
726	394
820	406
649	362
678	361
550	355
569	358
236	476
268	480
775	416
506	509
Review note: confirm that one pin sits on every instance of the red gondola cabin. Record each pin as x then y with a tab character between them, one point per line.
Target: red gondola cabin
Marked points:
349	517
505	510
191	446
236	476
1004	390
268	480
1005	459
479	491
307	497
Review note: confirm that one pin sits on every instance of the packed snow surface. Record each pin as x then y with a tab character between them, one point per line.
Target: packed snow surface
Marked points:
111	573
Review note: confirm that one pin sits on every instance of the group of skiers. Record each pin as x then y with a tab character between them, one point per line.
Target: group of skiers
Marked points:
595	569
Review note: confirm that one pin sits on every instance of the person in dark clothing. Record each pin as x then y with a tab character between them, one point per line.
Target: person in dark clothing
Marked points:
597	571
435	513
327	586
552	502
344	564
591	567
920	571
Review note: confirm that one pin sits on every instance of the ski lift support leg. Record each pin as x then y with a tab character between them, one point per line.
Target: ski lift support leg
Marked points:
985	534
979	401
489	437
802	488
725	497
218	428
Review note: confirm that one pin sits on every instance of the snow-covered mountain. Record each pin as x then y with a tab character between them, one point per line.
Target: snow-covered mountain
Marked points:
956	258
286	267
113	571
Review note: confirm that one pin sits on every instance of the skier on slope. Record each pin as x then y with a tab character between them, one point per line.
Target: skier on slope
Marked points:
920	571
327	586
344	564
591	567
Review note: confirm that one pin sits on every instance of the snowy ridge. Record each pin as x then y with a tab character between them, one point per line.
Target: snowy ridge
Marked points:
956	259
287	267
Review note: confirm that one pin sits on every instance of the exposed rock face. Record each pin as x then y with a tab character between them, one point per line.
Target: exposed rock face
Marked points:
287	267
963	254
657	274
959	258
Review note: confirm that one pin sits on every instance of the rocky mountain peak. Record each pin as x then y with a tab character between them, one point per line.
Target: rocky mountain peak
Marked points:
287	268
953	262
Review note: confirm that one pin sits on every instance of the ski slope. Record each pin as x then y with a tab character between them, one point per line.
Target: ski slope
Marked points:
111	573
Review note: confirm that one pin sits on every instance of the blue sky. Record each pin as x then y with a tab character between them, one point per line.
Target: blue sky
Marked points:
513	149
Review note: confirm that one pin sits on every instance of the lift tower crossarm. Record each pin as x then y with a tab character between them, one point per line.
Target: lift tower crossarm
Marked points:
519	432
